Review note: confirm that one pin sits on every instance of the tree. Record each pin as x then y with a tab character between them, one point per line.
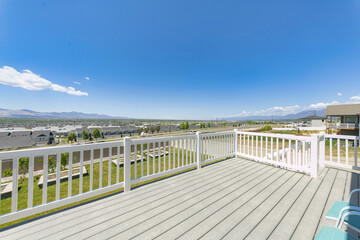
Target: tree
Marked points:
23	169
140	130
96	134
85	135
158	128
146	130
182	126
187	125
71	137
224	124
208	125
152	130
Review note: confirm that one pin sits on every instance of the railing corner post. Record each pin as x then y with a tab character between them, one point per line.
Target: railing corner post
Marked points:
314	155
198	150
322	149
127	164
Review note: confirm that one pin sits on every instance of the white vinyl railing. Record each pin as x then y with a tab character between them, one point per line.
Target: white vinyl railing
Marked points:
296	153
342	151
343	125
99	167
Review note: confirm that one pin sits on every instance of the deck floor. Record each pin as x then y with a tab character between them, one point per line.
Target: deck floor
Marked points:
232	199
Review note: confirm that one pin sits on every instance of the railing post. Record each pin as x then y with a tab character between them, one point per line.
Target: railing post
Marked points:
322	149
236	143
198	150
314	155
127	164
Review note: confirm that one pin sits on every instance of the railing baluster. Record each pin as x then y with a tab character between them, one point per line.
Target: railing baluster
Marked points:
70	174
178	152
109	166
118	164
296	153
283	150
347	151
182	152
277	150
272	148
58	160
14	194
266	147
101	167
159	157
91	169
261	146
147	159
81	178
135	160
252	145
331	150
30	181
142	160
45	179
289	155
0	181
187	151
240	137
338	150
355	151
154	163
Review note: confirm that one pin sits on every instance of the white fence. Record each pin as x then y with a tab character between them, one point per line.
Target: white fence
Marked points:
110	166
296	153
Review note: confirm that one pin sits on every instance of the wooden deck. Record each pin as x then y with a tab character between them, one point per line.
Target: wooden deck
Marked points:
232	199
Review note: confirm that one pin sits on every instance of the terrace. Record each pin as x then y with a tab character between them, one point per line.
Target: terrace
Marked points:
236	185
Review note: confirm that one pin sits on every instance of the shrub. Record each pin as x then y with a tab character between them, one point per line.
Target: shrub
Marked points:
266	128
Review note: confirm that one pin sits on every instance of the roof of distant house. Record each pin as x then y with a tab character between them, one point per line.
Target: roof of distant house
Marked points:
341	110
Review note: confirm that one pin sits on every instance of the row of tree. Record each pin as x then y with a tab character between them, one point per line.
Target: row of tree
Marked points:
151	129
85	136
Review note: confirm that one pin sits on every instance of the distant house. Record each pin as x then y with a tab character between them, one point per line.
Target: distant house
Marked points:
43	136
16	139
310	121
344	118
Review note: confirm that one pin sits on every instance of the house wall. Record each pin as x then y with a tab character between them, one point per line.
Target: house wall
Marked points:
317	123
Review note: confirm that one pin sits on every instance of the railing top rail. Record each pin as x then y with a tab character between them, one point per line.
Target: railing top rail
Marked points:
57	149
217	134
162	139
341	136
284	136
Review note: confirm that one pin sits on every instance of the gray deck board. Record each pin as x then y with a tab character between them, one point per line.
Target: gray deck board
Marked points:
232	199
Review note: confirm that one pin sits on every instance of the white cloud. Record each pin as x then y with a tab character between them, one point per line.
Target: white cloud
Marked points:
339	94
30	81
77	83
322	105
355	98
87	78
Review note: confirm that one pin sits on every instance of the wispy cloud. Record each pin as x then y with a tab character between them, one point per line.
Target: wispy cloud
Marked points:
284	110
339	94
355	98
87	78
31	81
77	83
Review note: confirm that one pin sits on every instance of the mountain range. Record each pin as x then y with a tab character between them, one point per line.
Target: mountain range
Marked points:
25	113
306	113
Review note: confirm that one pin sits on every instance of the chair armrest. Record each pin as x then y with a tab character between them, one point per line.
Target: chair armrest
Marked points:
345	215
352	192
352	208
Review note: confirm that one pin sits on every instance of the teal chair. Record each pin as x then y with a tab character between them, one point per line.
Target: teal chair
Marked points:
336	233
341	207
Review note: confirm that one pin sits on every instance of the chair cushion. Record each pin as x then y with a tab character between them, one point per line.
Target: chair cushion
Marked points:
333	233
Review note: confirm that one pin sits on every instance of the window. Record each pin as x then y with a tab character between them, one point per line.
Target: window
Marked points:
350	119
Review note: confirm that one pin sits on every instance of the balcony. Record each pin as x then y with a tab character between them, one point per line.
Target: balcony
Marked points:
236	185
342	125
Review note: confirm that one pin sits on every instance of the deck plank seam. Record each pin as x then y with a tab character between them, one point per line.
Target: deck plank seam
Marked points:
245	202
278	203
307	207
324	205
260	204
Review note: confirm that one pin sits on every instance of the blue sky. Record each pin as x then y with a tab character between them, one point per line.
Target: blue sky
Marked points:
179	59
